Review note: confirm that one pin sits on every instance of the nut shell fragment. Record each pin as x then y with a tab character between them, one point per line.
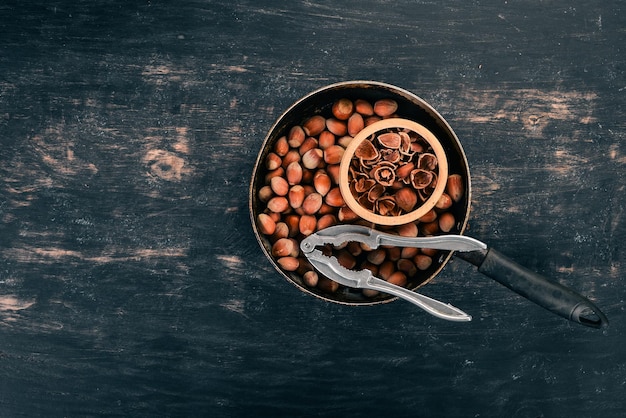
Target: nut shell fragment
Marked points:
366	151
384	173
390	140
420	179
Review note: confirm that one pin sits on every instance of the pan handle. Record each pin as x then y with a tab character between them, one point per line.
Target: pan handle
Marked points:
546	293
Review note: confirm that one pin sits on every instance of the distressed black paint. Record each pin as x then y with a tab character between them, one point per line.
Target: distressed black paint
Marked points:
131	283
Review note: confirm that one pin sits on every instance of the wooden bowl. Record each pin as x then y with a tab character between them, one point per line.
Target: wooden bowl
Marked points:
372	130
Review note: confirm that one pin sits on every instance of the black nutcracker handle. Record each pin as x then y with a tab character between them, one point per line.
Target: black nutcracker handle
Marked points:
544	292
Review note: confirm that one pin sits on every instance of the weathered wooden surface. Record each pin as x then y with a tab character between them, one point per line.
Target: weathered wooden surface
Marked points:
130	280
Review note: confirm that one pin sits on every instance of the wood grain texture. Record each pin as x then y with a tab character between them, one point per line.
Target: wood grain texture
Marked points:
131	283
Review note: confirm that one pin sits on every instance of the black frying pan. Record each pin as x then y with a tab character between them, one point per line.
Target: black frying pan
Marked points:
546	293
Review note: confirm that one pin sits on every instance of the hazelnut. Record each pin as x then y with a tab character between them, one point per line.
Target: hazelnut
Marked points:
312	203
406	199
266	224
333	172
304	266
346	214
333	154
312	158
296	136
296	196
281	231
294	173
278	204
321	182
265	193
446	222
281	148
326	209
278	172
308	144
307	224
455	187
314	125
285	247
370	293
385	107
407	252
372	119
408	230
308	189
355	124
291	156
407	266
377	256
307	176
363	107
386	269
326	139
444	202
288	263
404	171
394	253
422	261
293	222
429	216
334	198
342	109
345	140
326	220
430	228
398	278
279	185
346	259
327	285
310	278
371	267
336	126
272	161
355	248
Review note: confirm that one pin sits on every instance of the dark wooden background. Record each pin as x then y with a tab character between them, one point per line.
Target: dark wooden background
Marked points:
131	283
